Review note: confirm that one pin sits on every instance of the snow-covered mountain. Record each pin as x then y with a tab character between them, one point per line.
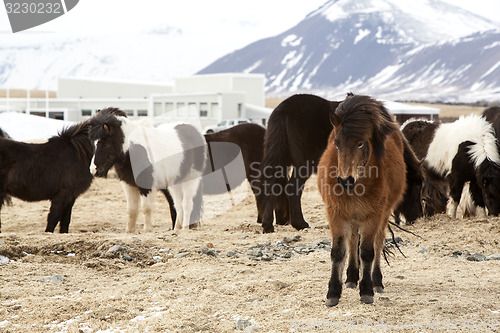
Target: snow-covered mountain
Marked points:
399	49
37	60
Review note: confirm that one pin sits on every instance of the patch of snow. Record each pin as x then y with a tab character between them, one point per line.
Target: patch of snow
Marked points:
24	127
362	33
253	67
491	70
291	40
492	45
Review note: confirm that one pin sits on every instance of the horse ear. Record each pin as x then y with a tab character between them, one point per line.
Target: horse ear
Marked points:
107	129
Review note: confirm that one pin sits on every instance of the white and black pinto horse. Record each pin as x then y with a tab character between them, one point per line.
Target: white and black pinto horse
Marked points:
466	151
146	158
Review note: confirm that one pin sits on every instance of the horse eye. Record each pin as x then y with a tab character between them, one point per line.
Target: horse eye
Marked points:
360	145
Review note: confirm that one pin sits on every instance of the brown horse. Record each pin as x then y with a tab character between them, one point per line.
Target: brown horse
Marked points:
361	178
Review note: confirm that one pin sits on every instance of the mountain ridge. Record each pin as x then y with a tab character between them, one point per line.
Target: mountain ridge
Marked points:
349	45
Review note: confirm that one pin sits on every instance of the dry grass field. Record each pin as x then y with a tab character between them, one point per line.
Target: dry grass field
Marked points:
97	278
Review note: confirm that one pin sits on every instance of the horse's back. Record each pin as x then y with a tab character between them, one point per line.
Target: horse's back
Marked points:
35	172
302	121
173	149
449	136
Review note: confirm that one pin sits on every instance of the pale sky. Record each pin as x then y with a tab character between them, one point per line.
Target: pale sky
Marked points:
258	18
210	28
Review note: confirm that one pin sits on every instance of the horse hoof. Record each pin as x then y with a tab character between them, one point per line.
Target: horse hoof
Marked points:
366	299
379	290
301	225
332	302
350	285
268	230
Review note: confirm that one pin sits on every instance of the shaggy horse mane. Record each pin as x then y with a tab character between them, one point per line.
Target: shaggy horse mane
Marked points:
78	136
358	113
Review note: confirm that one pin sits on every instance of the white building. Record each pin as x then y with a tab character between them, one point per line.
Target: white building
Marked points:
200	99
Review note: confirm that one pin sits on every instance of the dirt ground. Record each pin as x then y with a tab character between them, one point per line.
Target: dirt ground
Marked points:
205	279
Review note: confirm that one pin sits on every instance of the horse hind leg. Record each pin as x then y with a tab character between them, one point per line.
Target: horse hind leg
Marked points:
147	207
176	192
66	217
192	203
294	189
56	212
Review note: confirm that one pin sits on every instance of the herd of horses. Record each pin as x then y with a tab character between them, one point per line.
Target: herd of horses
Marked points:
368	167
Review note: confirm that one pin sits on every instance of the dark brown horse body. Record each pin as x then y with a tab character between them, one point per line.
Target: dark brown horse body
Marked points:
420	134
225	146
297	134
58	170
361	177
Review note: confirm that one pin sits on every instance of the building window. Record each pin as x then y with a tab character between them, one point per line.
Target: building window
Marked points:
169	107
86	113
157	109
142	113
56	115
130	113
192	110
239	110
203	109
214	110
38	113
181	110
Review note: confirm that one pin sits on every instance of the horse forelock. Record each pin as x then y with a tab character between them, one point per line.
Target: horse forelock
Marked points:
364	117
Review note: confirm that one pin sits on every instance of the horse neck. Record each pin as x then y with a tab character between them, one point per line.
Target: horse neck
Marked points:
128	127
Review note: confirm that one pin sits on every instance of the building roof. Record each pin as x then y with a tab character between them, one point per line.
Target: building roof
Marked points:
397	108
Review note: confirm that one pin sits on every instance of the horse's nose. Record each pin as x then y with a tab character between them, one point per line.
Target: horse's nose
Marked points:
347	183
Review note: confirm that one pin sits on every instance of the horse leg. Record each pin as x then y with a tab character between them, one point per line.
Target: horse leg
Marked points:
294	189
477	197
281	210
176	192
191	203
268	216
456	185
133	200
337	255
367	254
378	286
147	203
353	267
55	213
66	217
173	211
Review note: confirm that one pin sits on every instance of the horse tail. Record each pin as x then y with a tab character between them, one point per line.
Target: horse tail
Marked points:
173	211
275	162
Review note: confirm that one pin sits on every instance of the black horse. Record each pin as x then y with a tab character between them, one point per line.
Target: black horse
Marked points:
297	134
420	134
224	147
58	170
